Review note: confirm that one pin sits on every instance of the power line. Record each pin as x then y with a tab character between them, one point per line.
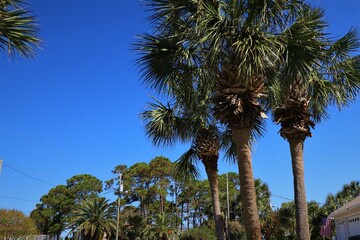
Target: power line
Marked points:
14	198
290	199
27	175
106	192
278	196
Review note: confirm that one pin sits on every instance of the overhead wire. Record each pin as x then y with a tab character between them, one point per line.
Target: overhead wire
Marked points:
27	175
14	198
46	182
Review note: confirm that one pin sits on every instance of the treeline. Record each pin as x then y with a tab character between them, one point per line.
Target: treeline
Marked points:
154	203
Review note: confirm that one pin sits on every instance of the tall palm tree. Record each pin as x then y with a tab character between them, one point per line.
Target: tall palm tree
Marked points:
94	219
190	121
237	43
18	29
316	73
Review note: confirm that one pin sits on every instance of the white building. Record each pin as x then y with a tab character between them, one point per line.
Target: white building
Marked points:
347	220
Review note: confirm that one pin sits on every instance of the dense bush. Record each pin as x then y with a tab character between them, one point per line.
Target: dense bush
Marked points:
199	233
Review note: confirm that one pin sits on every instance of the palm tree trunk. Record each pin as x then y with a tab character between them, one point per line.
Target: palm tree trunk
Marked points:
176	206
302	222
182	216
212	174
188	215
241	136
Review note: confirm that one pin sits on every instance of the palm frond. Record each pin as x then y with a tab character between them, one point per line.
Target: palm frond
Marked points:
164	62
163	125
304	41
18	30
227	143
186	166
343	47
170	12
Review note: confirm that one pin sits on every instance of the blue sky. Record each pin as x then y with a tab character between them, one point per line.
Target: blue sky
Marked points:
75	108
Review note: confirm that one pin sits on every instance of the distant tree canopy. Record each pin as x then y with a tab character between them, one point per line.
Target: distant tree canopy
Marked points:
53	212
154	201
14	224
346	194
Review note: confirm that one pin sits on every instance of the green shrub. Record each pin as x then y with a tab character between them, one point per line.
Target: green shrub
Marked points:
198	233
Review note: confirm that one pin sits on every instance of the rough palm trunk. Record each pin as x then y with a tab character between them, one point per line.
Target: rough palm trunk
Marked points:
188	215
241	136
161	203
302	222
182	216
212	174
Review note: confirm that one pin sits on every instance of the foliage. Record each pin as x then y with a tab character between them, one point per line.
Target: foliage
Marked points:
18	29
236	231
94	219
54	211
84	186
51	215
14	224
159	227
284	218
188	213
347	193
198	233
228	47
131	223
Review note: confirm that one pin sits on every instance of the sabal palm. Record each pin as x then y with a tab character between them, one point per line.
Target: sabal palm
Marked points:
18	29
185	121
93	219
315	74
236	42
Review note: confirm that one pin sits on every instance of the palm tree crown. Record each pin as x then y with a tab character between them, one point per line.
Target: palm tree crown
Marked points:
314	73
236	43
94	219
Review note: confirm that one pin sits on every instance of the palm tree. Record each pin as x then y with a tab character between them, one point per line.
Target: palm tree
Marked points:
94	219
334	201
236	42
18	29
190	120
315	74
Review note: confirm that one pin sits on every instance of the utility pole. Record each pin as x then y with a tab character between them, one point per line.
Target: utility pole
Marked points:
118	207
227	207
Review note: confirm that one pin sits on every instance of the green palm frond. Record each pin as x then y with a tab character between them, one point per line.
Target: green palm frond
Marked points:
229	146
164	61
321	92
163	125
338	80
18	30
304	41
315	73
93	218
343	69
342	48
186	166
168	12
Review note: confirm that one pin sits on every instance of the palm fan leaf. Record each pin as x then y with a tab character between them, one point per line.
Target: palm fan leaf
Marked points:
18	30
186	166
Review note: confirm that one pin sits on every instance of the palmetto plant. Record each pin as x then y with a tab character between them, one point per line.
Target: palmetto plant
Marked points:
235	43
94	219
18	29
315	74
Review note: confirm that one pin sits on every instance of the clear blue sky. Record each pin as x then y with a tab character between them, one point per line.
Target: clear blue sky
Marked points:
75	108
